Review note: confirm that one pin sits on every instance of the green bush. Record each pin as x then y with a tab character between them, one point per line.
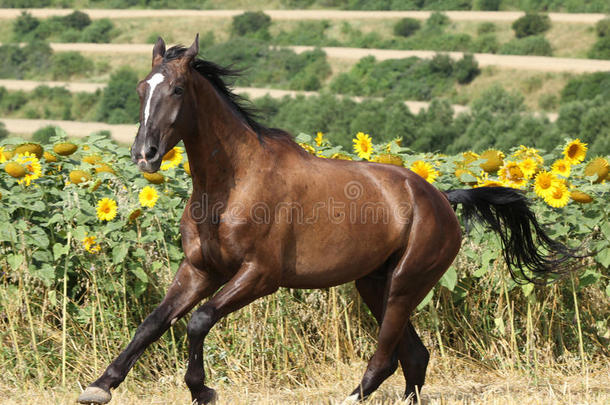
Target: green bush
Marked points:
100	31
548	102
466	69
587	87
120	103
251	23
305	33
76	20
406	27
531	24
486	43
486	28
24	26
67	64
600	49
44	134
3	131
488	5
536	45
602	28
437	21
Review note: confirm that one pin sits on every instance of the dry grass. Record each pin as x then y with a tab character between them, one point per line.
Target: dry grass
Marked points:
451	380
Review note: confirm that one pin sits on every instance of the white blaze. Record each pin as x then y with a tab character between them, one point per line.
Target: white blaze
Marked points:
156	79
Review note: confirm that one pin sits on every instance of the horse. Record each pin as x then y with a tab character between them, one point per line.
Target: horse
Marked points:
265	214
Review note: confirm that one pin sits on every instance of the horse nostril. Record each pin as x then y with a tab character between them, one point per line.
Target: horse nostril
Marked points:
150	153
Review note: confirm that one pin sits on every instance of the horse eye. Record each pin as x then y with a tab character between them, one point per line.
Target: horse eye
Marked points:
178	90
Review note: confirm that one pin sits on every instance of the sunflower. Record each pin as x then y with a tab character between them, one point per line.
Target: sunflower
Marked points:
460	171
172	158
544	182
319	138
106	209
79	176
14	170
512	175
32	148
341	156
494	160
528	167
65	149
575	151
560	195
469	157
561	167
307	148
148	197
154	178
524	153
488	183
90	245
363	145
580	197
388	159
32	167
135	214
598	166
396	141
5	154
92	159
425	170
49	157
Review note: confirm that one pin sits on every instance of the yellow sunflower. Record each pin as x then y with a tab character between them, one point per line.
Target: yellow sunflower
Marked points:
525	152
172	158
32	167
528	167
470	157
319	138
512	175
363	145
598	166
91	245
307	148
5	154
494	159
575	151
65	149
388	159
106	209
425	170
32	148
544	182
560	195
561	167
148	197
580	197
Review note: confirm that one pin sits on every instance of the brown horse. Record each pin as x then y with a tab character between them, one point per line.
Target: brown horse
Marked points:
265	214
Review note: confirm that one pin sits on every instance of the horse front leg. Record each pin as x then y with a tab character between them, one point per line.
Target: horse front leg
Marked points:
250	283
188	288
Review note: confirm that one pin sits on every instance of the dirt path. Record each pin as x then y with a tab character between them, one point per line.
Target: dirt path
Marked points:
493	16
540	63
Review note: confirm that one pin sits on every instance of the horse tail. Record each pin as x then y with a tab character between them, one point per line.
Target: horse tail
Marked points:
530	253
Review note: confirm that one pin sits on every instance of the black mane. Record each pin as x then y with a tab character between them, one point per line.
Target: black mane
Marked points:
215	74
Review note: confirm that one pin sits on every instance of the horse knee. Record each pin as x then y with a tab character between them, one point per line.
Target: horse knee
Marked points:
200	323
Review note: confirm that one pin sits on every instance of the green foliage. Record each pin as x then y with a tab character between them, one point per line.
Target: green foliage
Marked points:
406	27
74	27
279	67
100	31
44	134
120	103
409	78
486	43
602	27
587	87
305	33
531	24
69	64
600	49
534	45
76	20
437	21
25	62
254	24
486	28
488	5
24	25
3	131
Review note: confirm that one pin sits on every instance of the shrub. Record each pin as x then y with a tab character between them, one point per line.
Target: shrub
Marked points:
76	20
466	69
587	87
3	131
536	45
406	27
99	31
600	49
531	24
251	23
548	102
24	25
487	43
305	33
486	28
12	101
437	21
44	134
488	5
67	64
120	103
602	28
12	57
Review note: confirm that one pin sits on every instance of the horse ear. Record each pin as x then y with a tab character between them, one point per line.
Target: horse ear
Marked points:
158	52
193	50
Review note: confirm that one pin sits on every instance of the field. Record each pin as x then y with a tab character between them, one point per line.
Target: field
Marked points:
88	244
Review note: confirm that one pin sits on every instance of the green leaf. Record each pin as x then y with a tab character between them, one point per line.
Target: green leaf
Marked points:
426	300
527	289
119	252
603	258
588	277
14	260
449	279
140	274
59	250
46	274
302	137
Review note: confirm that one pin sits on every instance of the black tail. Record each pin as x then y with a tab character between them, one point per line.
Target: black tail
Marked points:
530	253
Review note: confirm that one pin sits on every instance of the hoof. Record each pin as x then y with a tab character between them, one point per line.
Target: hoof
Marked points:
208	397
94	395
352	399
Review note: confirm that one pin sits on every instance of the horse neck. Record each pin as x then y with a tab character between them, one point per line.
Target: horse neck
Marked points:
222	145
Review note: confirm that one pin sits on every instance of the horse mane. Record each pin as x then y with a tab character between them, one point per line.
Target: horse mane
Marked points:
216	75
